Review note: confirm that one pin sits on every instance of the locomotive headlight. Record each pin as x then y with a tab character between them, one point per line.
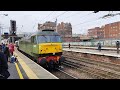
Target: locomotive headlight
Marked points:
53	53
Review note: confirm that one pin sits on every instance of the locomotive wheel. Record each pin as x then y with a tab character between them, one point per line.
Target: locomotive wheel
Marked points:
62	59
35	60
51	65
56	66
43	62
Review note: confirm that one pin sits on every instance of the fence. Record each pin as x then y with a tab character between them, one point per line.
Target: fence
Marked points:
110	43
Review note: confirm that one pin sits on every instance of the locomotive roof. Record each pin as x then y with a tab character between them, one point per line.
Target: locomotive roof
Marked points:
45	32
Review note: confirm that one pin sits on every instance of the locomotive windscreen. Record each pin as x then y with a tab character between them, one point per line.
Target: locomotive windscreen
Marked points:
48	38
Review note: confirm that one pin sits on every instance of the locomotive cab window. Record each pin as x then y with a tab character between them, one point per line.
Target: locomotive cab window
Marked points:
33	40
49	38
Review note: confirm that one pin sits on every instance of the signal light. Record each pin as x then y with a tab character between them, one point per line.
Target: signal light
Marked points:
13	25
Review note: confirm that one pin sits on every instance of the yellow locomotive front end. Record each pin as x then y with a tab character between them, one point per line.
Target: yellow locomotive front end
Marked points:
52	48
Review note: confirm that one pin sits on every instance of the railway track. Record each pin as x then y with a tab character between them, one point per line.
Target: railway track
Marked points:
61	74
92	70
111	66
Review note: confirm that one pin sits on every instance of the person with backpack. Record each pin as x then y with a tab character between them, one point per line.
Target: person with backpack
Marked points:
4	73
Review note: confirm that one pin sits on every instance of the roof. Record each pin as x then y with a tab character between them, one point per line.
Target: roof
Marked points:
45	32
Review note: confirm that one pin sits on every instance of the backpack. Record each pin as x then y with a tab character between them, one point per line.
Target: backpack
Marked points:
12	59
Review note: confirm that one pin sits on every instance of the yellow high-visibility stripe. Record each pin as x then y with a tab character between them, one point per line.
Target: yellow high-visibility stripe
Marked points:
28	71
19	72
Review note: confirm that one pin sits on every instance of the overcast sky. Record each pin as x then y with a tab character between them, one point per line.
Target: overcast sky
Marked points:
27	21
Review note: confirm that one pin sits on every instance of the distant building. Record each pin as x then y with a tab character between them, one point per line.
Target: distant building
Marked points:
112	30
100	33
96	32
65	30
85	37
76	37
47	25
108	31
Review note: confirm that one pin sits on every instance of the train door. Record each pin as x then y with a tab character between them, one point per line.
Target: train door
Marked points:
35	47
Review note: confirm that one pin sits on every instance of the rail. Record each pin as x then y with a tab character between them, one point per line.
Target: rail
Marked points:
92	70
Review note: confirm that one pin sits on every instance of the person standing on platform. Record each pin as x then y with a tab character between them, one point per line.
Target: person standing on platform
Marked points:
4	73
11	48
99	46
3	46
117	46
69	45
6	52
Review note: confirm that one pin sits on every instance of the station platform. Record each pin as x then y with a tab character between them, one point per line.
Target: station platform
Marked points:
25	68
94	50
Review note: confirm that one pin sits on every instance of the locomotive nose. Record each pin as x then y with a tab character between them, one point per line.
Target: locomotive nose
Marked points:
50	48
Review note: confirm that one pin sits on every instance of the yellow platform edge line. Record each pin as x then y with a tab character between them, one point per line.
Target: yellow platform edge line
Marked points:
19	72
28	71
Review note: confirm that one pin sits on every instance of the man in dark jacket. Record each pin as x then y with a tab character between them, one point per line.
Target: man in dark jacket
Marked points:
3	46
4	74
6	52
117	46
69	45
99	46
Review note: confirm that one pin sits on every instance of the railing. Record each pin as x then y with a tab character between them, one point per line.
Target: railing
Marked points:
109	43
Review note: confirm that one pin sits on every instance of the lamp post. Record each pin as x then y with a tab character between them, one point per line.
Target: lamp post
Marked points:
1	26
